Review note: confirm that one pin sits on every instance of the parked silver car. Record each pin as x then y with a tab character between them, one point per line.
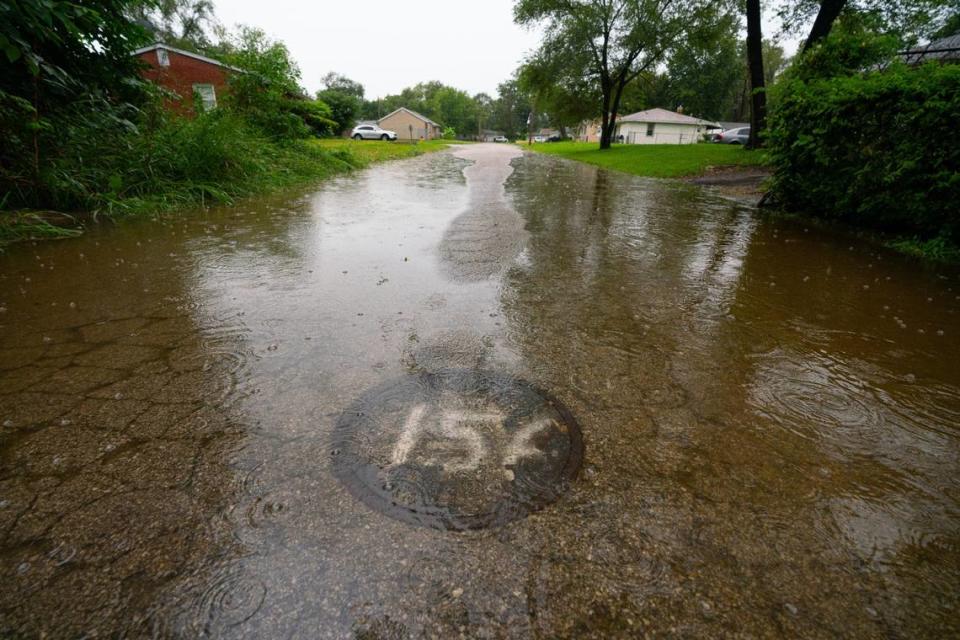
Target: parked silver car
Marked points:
371	132
734	136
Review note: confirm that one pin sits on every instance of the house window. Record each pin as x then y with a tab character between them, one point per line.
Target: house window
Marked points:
163	58
207	95
650	129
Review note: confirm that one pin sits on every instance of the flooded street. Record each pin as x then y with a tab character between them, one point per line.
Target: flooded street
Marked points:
478	393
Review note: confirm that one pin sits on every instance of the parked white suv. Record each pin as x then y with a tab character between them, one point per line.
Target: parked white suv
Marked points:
371	132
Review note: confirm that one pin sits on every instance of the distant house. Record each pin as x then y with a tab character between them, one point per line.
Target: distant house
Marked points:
410	125
659	126
588	131
489	135
186	74
945	50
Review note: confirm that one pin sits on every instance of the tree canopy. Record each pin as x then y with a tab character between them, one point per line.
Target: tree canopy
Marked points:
345	98
610	42
181	23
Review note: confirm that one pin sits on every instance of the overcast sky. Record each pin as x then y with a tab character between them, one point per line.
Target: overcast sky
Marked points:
472	45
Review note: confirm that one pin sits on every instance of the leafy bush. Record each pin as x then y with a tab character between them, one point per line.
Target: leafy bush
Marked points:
875	148
449	133
82	130
269	93
344	108
120	159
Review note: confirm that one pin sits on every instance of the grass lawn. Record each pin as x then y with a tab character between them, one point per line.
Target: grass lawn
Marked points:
655	160
369	151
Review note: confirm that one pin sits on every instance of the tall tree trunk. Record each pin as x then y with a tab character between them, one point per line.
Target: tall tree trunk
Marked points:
606	124
758	96
615	109
606	131
829	10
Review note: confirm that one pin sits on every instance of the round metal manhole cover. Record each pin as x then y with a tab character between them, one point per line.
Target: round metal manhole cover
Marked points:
456	449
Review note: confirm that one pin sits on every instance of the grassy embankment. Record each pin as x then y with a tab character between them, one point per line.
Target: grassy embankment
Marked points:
197	170
655	160
370	151
678	161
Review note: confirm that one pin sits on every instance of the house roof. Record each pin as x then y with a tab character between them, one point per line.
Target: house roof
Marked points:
662	115
411	112
189	54
942	50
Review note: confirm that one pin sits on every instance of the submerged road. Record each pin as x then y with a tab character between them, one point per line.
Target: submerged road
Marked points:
480	393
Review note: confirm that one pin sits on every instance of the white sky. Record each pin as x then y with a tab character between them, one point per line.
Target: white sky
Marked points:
472	45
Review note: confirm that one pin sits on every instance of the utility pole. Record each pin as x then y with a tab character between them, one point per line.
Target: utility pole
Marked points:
531	118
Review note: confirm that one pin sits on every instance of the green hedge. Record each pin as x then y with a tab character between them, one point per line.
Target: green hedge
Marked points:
878	149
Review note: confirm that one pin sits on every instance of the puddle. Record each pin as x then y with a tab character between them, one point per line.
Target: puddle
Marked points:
770	417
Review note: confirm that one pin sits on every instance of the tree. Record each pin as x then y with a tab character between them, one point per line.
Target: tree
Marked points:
774	62
483	104
510	110
704	75
826	16
452	108
270	95
758	97
610	42
910	20
67	46
180	23
447	105
252	50
345	98
337	82
61	58
567	101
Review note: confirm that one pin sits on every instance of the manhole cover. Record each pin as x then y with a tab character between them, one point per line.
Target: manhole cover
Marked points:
456	449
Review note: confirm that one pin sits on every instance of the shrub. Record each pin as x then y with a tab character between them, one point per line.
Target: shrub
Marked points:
875	148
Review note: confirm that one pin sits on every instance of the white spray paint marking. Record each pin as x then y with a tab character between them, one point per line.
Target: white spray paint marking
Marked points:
409	434
462	425
470	431
522	444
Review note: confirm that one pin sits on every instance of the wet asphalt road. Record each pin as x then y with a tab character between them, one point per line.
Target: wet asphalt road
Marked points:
654	412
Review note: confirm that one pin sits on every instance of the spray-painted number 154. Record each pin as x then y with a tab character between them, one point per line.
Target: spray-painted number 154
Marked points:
467	429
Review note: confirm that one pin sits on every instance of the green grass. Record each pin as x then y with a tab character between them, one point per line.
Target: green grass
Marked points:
939	249
369	151
655	160
33	225
244	164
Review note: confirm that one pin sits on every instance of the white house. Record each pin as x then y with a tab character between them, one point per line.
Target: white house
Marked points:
659	126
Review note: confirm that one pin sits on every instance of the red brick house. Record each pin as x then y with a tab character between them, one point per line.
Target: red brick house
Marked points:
186	74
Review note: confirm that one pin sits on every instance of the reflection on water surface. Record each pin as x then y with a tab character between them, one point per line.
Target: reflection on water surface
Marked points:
770	415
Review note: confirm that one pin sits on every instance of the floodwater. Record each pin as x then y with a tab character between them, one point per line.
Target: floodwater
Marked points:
770	417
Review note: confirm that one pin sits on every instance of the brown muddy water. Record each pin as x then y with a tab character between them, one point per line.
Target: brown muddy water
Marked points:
477	394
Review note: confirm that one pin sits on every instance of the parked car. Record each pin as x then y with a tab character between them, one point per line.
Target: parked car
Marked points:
501	139
734	136
371	132
554	138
